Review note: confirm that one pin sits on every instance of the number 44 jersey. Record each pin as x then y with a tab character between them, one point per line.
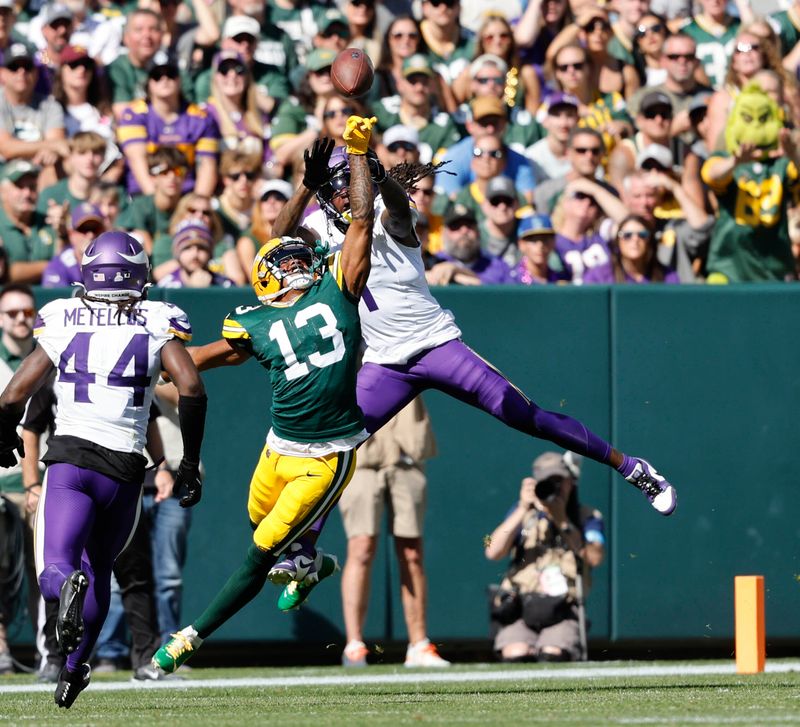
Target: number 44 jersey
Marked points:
107	365
310	348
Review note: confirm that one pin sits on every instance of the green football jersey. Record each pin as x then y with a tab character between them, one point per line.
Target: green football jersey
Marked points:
750	240
713	50
310	349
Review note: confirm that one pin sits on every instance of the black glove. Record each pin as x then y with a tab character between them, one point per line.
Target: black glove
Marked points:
376	169
9	440
188	478
316	158
7	458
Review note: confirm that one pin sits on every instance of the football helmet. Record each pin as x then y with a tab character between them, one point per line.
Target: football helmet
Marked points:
115	267
270	280
339	179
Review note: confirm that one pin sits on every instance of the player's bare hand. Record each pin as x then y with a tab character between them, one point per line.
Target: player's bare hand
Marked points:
358	132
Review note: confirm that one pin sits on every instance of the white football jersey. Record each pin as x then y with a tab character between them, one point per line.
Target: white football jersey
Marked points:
399	316
108	364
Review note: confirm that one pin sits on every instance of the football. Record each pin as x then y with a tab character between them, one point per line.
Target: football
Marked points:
352	72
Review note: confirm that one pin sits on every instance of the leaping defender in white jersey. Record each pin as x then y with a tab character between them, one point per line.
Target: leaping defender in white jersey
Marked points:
108	347
412	344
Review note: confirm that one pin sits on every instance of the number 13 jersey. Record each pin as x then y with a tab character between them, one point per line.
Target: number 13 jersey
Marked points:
310	349
107	363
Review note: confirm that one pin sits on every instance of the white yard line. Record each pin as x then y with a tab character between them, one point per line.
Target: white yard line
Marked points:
492	673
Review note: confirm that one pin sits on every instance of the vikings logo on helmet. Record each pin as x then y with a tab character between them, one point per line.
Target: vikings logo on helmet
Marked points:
272	276
115	267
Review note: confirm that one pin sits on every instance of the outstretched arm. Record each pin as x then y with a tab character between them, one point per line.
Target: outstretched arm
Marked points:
192	405
355	259
25	382
396	218
27	379
316	174
216	354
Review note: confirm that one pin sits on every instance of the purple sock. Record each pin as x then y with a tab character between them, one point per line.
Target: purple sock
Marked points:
628	463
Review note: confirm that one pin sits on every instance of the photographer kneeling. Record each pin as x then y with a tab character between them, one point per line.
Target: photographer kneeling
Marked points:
552	539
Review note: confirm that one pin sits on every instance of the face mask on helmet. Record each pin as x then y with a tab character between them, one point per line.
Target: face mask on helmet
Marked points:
115	267
288	263
339	180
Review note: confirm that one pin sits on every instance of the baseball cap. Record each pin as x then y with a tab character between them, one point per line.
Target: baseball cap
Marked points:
656	152
417	63
279	186
72	53
482	60
228	55
562	99
549	464
535	225
459	212
162	60
320	58
55	11
654	99
699	101
399	132
239	24
17	169
330	17
487	106
191	232
85	212
17	52
500	187
8	4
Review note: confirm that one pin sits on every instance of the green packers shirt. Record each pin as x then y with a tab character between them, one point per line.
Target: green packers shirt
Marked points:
310	349
750	240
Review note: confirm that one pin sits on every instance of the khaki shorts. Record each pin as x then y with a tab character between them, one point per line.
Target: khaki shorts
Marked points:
402	489
564	635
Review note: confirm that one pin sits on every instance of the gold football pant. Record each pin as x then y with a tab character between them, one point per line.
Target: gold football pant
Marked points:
288	494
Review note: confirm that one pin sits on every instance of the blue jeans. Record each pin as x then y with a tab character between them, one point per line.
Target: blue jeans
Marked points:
112	643
169	531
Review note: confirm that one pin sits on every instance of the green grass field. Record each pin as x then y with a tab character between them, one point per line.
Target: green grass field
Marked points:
628	693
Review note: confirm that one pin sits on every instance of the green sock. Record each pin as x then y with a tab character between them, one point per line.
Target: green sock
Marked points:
242	587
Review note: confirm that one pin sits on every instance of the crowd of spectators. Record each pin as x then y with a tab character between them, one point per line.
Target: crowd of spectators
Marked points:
583	143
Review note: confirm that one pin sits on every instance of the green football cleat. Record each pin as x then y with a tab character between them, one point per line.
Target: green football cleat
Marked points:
170	657
298	591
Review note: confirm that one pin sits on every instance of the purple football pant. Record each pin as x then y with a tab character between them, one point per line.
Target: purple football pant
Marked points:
455	369
84	521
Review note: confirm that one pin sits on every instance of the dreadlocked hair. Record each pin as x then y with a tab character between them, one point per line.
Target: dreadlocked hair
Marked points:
407	174
124	307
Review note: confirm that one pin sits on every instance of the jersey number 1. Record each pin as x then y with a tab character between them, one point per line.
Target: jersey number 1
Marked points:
77	353
294	368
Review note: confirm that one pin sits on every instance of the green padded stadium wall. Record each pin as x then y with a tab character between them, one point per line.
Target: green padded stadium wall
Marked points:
703	381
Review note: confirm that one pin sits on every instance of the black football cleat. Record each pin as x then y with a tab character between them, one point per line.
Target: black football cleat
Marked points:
69	626
71	684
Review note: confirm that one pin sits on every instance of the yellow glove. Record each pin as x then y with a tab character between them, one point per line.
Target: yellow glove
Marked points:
357	134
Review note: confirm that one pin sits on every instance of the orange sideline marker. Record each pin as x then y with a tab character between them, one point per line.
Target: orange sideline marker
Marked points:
750	631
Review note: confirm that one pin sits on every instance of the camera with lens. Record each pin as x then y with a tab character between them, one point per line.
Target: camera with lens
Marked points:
547	490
